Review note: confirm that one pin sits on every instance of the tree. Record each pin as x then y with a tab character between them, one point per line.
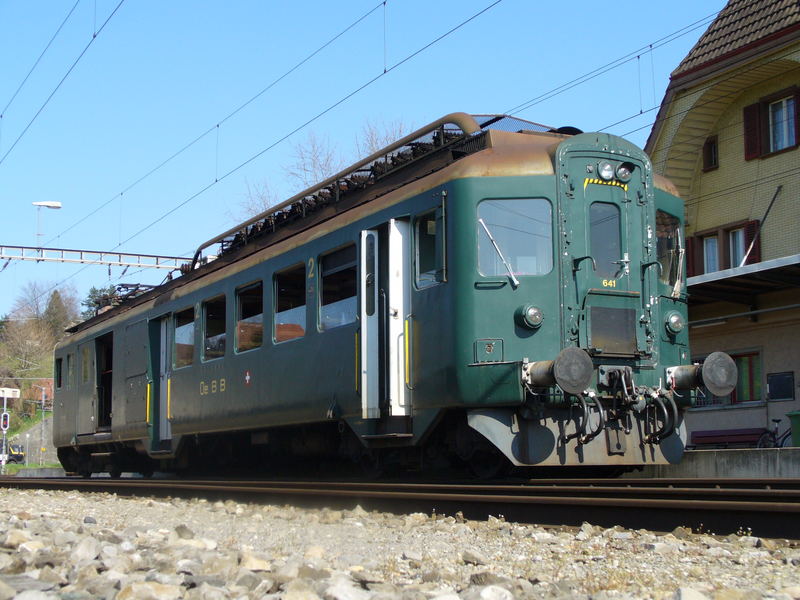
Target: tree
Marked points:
59	314
315	159
96	299
375	136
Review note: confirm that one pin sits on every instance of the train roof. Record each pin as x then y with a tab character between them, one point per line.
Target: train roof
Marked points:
411	159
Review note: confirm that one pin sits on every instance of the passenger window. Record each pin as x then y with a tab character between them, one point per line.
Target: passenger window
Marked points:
85	364
184	338
522	231
214	328
338	288
290	304
250	317
428	255
59	365
606	238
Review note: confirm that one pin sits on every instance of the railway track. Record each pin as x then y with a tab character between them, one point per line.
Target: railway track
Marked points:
767	507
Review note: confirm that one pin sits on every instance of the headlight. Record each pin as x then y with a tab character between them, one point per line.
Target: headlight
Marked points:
605	170
675	322
529	316
624	172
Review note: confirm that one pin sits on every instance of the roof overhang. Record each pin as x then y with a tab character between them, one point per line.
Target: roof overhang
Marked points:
742	284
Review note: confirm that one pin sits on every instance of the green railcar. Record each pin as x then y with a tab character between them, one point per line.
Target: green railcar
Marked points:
485	291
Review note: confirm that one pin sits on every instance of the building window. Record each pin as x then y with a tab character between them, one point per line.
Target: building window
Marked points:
710	154
338	288
772	124
214	328
748	384
782	124
736	246
250	317
780	386
290	304
523	231
184	338
710	254
725	247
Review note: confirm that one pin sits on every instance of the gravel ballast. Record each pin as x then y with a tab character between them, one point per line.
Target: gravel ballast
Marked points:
96	545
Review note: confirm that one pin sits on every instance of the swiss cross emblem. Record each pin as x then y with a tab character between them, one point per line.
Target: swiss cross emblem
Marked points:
247	377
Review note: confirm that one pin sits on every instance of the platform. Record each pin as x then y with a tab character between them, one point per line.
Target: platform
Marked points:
746	462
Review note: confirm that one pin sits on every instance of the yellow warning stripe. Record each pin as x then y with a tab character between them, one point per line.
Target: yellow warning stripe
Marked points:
147	409
169	398
596	181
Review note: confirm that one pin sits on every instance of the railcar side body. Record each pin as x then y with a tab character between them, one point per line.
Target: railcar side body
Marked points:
506	297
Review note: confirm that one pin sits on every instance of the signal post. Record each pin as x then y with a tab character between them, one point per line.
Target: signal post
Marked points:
5	420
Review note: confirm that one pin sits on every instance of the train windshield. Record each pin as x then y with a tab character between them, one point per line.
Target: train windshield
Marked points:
523	231
670	250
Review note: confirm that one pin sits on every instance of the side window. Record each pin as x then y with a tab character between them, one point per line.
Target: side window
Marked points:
290	304
184	338
427	254
606	238
668	246
338	288
214	328
70	370
58	373
249	317
522	230
85	367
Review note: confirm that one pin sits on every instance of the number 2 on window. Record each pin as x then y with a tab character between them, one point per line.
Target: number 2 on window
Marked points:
311	268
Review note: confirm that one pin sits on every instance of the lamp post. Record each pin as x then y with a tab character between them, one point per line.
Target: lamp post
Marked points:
52	204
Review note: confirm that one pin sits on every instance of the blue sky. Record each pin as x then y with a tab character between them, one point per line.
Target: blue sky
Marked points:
160	74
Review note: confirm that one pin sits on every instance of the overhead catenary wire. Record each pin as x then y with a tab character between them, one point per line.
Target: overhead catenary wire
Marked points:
216	126
38	60
60	83
286	136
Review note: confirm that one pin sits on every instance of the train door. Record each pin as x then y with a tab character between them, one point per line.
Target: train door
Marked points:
104	360
86	392
385	299
158	414
608	251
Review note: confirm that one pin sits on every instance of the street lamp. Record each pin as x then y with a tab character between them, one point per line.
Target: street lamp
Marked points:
53	204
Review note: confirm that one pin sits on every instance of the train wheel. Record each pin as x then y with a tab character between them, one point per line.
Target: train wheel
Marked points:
488	464
115	472
371	464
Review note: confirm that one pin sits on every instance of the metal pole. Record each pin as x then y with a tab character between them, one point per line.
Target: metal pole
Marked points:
4	453
41	433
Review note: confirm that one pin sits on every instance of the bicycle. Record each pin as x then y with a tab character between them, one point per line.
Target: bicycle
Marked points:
771	438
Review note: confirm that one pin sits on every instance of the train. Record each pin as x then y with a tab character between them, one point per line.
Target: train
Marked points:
485	293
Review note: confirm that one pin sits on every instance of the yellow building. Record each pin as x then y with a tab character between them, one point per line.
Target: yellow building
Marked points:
727	136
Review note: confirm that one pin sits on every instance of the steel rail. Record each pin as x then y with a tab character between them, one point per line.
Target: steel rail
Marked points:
531	495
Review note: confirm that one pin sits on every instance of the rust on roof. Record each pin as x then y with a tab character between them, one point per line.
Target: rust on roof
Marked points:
741	24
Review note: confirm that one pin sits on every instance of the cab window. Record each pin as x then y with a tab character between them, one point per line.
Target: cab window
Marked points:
606	238
668	246
516	235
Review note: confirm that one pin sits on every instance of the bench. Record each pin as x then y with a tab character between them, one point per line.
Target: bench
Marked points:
725	438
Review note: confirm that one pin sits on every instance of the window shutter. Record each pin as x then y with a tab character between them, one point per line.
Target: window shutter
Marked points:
752	131
691	250
750	231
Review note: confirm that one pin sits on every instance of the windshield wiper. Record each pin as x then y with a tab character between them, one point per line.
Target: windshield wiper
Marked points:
514	280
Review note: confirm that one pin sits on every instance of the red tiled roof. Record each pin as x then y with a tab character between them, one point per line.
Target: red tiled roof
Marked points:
739	24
